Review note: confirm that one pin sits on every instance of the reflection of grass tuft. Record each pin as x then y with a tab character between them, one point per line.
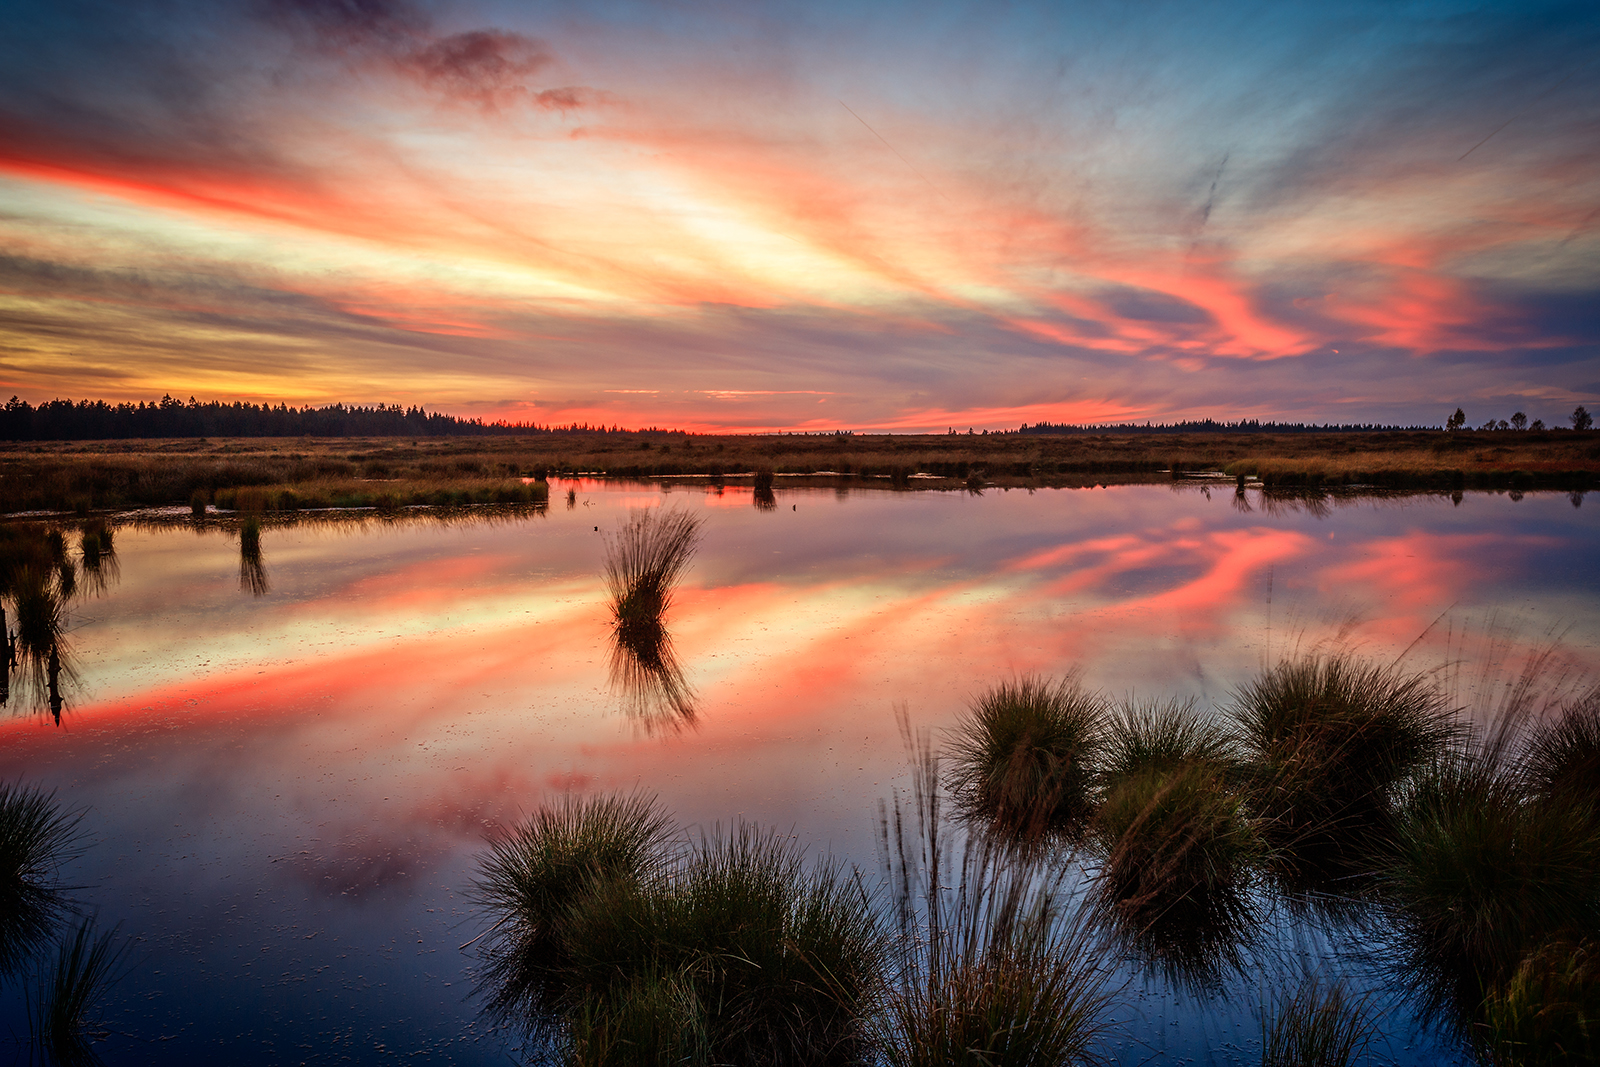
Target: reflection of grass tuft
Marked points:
36	836
1023	755
1317	1025
85	966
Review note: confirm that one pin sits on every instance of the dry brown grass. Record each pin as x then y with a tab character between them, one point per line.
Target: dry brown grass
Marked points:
108	474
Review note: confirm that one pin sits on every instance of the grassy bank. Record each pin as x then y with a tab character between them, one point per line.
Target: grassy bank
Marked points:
367	471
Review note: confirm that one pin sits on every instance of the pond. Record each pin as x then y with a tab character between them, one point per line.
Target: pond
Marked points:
288	759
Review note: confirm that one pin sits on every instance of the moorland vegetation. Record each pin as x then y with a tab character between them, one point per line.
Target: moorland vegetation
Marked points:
1460	858
284	474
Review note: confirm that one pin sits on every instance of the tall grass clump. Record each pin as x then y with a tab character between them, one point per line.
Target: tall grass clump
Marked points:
533	878
1548	1014
1178	851
1159	735
36	837
1318	1024
613	945
741	954
992	967
645	559
61	1012
252	564
1328	740
1479	876
1564	754
1023	756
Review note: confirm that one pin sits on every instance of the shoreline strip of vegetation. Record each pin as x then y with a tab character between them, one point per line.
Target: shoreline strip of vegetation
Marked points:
399	471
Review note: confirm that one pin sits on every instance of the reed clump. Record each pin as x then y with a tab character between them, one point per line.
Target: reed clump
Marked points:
1564	754
1023	756
1318	1024
628	949
1548	1013
533	878
645	560
1478	876
991	965
1178	849
1328	740
36	837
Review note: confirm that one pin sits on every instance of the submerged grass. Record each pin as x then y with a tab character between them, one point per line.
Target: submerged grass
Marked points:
1023	756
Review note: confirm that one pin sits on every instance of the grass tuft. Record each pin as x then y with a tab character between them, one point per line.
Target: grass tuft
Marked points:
1024	754
991	967
1548	1014
1564	754
1317	1025
1178	856
1480	876
252	565
644	561
739	954
1328	741
533	878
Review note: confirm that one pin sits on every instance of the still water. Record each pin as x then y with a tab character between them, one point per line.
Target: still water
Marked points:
288	769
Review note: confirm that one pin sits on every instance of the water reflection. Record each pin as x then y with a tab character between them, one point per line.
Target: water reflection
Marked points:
763	497
645	559
252	565
97	554
428	719
39	579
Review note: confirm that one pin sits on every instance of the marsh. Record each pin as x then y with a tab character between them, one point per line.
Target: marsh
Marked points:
290	794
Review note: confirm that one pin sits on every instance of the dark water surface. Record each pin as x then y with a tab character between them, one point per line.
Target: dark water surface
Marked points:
286	793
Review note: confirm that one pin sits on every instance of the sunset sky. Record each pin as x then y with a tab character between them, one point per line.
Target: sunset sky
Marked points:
806	216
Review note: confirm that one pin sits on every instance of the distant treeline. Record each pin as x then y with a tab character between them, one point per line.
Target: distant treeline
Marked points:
97	420
1213	426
